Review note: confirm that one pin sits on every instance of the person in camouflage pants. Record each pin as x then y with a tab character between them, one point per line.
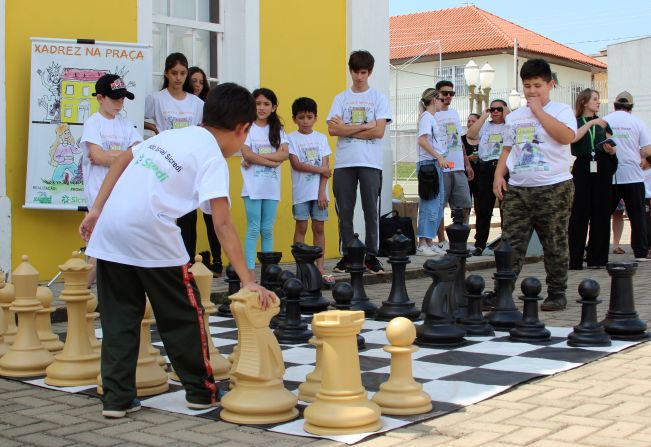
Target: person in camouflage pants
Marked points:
545	209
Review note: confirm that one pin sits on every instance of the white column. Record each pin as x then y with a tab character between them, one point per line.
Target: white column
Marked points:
241	43
5	203
368	29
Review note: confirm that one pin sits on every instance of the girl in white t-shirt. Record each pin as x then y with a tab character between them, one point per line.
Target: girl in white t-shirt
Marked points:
265	148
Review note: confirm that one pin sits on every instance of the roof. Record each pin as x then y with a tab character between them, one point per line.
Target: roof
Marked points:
471	29
82	74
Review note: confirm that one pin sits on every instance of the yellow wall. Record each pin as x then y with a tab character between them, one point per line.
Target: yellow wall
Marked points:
48	237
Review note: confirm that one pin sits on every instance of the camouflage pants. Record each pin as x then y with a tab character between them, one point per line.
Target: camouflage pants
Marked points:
545	209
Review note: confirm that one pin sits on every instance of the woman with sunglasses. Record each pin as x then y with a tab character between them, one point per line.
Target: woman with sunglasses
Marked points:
490	134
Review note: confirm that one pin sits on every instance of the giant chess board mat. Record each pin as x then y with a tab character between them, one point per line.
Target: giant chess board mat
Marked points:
454	377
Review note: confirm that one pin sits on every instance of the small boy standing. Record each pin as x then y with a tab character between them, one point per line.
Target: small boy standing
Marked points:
132	232
309	156
536	155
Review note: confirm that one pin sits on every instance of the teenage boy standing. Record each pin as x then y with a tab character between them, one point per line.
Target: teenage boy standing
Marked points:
358	116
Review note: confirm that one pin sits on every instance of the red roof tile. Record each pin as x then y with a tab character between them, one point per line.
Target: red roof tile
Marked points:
469	29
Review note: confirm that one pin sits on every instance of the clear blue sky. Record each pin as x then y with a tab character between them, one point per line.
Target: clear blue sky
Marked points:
587	26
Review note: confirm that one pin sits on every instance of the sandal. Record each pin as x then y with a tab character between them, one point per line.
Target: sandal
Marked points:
619	251
328	280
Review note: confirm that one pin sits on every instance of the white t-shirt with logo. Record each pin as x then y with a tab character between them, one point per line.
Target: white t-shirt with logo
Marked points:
261	182
359	108
309	149
171	113
428	126
630	134
117	134
163	182
491	141
536	159
452	148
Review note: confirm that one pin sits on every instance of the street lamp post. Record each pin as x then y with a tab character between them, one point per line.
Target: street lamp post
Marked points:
479	83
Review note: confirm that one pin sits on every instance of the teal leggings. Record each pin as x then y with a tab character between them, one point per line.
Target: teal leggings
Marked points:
260	217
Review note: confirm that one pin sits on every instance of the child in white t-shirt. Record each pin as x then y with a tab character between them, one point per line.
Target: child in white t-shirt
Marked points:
309	156
106	134
265	148
131	232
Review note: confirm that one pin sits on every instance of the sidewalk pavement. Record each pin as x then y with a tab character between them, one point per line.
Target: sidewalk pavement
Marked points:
605	403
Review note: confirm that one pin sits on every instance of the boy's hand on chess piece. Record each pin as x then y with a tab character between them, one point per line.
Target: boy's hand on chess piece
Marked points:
265	297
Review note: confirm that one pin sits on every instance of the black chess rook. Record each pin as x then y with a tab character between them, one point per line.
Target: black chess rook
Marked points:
622	321
474	323
530	328
266	259
589	332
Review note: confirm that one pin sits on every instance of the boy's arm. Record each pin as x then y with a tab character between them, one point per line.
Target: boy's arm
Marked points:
555	128
305	167
115	171
257	159
499	183
322	201
99	156
337	127
230	242
374	132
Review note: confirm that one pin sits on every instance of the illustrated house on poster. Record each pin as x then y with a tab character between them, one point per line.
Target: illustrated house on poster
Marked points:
77	88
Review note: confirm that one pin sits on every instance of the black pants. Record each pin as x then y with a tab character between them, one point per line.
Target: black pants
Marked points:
591	208
188	226
484	201
633	195
177	307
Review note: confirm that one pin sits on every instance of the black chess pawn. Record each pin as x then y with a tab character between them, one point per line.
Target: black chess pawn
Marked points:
266	259
458	232
356	256
233	281
280	293
439	328
504	314
398	304
292	329
589	332
342	293
312	300
622	321
475	323
530	328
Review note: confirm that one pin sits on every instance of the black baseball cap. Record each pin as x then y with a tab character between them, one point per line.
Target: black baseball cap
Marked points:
113	86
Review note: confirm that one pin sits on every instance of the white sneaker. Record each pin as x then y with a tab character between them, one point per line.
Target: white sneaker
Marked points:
445	246
425	250
437	249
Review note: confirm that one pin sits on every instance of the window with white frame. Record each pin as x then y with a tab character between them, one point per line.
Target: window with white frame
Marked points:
454	73
191	27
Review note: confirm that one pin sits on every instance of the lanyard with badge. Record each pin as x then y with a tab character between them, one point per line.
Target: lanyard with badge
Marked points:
592	132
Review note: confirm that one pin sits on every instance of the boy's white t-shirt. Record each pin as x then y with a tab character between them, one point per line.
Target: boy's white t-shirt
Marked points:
428	126
630	134
450	127
261	182
536	159
359	108
171	113
308	149
170	175
491	141
117	134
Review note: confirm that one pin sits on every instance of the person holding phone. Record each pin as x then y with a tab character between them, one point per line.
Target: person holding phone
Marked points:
592	174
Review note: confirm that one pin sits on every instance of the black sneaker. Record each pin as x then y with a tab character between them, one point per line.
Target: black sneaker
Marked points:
553	304
216	268
342	266
117	414
374	264
477	251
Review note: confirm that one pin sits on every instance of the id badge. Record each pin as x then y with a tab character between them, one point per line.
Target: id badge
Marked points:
593	166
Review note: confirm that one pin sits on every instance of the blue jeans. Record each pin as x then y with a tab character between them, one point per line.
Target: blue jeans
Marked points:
260	217
430	212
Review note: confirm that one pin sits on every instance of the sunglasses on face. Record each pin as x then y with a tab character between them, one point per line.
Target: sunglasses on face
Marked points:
496	109
447	93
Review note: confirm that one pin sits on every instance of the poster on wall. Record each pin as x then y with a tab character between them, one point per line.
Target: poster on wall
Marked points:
63	76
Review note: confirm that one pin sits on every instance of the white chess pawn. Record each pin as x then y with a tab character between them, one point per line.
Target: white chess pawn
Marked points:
43	322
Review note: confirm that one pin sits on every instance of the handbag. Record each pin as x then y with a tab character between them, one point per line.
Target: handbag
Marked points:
390	223
428	182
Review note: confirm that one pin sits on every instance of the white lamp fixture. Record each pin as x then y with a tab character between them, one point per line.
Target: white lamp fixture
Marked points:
486	75
471	73
514	99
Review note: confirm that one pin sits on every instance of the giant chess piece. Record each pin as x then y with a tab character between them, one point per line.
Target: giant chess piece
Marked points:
622	321
475	323
341	405
3	346
78	364
203	278
27	356
439	328
342	293
504	314
401	394
530	328
277	278
266	259
233	282
9	329
258	396
292	330
458	233
151	378
589	332
308	389
356	256
153	350
91	316
312	301
43	322
398	304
